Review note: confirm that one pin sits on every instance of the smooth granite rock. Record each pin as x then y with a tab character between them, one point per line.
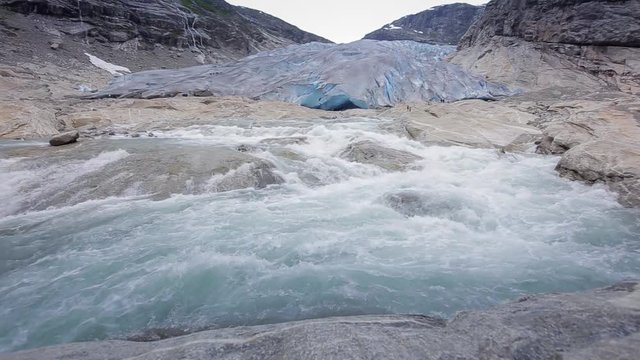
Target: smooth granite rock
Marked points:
368	152
65	138
472	123
603	322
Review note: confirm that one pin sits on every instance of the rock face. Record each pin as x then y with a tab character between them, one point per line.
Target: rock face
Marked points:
444	24
160	32
538	44
579	60
362	74
567	326
65	138
576	22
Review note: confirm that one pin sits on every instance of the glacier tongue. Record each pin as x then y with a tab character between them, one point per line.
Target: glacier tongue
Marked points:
362	74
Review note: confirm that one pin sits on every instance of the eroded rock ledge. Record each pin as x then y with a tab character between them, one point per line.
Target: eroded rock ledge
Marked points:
599	324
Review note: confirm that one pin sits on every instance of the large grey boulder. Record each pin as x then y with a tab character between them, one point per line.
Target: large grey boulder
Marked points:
65	138
593	325
368	152
608	162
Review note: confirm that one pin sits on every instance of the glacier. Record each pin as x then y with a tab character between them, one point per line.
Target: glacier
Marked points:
362	74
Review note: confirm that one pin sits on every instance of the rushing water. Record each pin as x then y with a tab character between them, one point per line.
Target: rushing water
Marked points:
484	228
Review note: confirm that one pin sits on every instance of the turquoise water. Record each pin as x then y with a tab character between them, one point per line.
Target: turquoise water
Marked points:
326	242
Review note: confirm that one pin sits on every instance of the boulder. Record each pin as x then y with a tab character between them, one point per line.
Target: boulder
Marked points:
597	138
413	203
368	152
65	138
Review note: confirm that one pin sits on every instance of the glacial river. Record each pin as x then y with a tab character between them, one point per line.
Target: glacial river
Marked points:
461	229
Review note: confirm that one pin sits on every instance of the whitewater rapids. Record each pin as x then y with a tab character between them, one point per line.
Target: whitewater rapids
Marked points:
462	228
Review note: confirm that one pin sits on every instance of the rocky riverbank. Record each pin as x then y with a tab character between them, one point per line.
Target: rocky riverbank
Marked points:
573	99
593	325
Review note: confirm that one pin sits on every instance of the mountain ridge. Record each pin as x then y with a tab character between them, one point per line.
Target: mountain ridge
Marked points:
444	24
212	31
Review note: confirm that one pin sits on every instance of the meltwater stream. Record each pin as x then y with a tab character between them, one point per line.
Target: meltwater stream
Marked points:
461	229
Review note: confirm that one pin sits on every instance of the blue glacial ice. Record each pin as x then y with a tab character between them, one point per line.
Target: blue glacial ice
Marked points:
363	74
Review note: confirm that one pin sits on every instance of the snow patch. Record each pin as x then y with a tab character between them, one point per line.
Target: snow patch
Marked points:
393	27
111	68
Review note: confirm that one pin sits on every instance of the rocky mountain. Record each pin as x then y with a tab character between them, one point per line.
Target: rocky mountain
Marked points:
536	44
575	22
142	34
444	24
587	52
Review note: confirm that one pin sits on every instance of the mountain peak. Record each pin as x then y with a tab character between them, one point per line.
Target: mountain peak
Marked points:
444	24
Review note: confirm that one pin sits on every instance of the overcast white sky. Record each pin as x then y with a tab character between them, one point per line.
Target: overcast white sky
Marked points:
342	20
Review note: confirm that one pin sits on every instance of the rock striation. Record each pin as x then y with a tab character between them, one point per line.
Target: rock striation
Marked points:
590	325
576	22
444	24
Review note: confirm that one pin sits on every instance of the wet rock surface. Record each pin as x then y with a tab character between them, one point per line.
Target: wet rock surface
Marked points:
65	138
368	152
99	169
201	27
413	203
596	137
568	326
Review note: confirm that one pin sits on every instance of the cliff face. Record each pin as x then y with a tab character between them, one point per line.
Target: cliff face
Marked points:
212	29
538	44
440	25
576	22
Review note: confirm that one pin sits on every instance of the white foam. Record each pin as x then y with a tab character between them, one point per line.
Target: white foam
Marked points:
23	183
492	228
